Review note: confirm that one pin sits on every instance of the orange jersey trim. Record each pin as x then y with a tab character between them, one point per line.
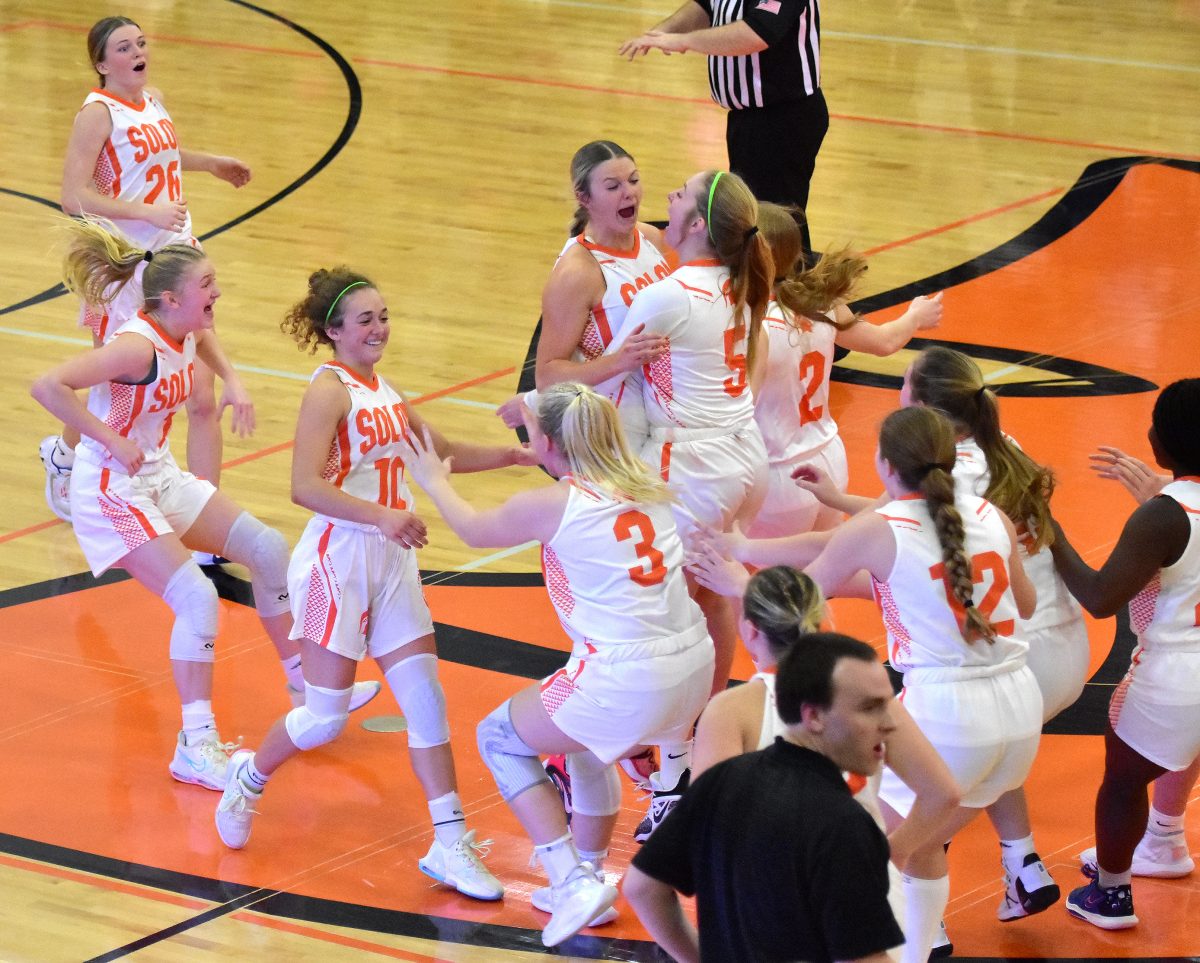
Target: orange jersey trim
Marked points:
139	517
121	100
614	251
373	384
176	345
115	163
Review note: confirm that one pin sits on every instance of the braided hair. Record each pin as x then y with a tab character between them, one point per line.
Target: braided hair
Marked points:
919	445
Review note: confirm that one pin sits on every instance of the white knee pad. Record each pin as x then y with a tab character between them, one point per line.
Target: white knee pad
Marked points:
265	552
514	765
320	719
193	599
595	787
415	685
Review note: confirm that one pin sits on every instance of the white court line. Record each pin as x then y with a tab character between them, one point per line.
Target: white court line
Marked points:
624	9
495	557
42	336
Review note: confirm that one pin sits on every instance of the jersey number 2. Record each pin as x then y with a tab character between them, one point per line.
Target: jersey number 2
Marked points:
983	562
812	368
653	571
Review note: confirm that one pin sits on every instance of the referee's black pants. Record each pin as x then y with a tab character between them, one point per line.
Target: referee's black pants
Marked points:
774	149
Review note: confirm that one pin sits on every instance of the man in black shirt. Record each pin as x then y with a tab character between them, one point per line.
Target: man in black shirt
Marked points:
784	864
764	67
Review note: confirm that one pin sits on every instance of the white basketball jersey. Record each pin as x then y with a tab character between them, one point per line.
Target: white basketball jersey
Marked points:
140	162
143	412
614	571
923	619
1055	603
792	406
1166	613
366	458
625	273
700	380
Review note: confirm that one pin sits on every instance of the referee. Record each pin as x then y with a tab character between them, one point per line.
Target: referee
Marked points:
764	67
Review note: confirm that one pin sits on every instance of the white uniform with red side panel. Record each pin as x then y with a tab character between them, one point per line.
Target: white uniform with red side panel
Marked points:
976	701
113	514
1156	708
642	662
353	590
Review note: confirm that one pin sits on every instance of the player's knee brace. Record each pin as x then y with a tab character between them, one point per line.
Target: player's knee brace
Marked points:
265	552
595	787
193	599
414	683
320	719
514	765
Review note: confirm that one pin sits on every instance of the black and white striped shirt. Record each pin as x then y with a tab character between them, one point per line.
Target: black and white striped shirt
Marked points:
788	70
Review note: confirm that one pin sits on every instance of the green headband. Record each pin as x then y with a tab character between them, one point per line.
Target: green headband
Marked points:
708	214
329	313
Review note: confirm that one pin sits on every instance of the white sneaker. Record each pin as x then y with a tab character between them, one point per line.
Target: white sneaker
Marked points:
204	762
1028	891
236	808
1164	857
460	866
58	462
942	947
542	899
360	694
581	898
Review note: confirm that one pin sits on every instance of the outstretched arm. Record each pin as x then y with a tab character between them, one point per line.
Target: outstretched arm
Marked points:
467	457
890	336
1154	536
530	515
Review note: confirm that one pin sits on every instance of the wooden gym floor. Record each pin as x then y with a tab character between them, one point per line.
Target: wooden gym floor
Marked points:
1039	161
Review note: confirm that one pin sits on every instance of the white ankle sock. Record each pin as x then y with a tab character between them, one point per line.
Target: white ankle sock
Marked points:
1014	851
1160	824
251	778
1108	880
673	760
449	823
292	669
558	858
924	905
197	717
595	858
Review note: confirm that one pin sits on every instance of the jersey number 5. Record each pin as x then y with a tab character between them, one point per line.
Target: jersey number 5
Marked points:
653	571
983	562
735	362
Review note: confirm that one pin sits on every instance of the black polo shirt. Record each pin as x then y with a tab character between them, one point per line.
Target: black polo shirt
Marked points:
784	864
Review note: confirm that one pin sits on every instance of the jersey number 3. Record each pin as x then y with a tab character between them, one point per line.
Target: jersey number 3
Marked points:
652	571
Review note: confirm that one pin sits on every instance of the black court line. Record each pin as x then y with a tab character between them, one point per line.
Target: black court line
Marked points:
353	113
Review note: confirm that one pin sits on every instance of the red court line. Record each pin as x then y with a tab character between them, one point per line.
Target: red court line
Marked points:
644	95
966	220
31	529
275	923
284	446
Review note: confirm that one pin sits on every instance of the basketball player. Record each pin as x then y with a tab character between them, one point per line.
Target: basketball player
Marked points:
966	682
806	318
1154	717
353	578
124	164
641	665
132	505
609	256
